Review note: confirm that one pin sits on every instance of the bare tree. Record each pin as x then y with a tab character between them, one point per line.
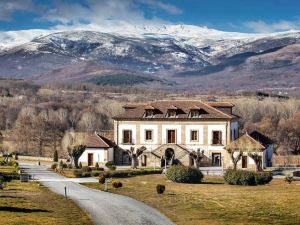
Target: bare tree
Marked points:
257	160
235	159
74	144
134	155
197	156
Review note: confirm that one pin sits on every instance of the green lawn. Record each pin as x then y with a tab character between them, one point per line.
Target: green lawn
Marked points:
214	202
31	203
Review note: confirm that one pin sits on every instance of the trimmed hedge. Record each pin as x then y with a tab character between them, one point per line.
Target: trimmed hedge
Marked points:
244	177
128	173
184	174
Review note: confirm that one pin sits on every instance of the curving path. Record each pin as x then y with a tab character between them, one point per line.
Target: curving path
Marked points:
104	208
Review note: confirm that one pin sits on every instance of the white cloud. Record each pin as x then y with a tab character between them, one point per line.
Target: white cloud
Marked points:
263	27
90	13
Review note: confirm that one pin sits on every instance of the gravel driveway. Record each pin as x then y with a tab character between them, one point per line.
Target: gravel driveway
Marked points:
104	208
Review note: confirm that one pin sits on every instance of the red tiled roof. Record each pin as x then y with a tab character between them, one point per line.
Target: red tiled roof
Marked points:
183	108
97	141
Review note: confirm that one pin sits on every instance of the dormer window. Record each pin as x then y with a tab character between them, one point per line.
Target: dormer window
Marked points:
149	111
194	113
172	112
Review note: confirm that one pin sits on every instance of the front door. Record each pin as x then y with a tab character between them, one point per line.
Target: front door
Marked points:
90	159
244	162
171	136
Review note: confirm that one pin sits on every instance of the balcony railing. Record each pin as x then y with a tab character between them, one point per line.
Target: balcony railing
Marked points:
126	141
217	142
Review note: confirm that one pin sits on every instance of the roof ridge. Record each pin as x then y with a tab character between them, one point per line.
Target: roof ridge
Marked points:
100	137
219	111
255	140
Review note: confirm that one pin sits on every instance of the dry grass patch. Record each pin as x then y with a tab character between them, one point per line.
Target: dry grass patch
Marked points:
30	203
214	202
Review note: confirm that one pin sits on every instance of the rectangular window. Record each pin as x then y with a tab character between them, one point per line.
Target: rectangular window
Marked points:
127	137
244	162
217	137
171	135
148	135
216	159
194	135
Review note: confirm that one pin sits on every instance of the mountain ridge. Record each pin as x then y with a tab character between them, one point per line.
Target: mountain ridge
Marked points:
189	57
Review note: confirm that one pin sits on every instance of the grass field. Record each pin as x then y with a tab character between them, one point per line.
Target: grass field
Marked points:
32	204
214	202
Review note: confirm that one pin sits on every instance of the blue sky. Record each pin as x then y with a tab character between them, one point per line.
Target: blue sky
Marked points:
255	16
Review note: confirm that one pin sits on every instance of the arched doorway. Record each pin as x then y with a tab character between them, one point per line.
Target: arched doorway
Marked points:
168	157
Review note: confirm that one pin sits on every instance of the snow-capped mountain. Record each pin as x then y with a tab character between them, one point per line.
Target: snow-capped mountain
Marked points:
183	54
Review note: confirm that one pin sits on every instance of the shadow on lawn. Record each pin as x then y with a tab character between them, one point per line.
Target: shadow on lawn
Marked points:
23	210
212	182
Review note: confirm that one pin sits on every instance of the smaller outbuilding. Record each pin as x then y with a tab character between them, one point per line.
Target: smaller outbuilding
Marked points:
98	150
250	145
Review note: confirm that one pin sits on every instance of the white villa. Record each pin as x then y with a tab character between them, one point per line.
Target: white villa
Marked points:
172	130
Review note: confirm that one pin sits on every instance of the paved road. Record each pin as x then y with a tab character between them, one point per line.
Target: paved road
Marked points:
104	208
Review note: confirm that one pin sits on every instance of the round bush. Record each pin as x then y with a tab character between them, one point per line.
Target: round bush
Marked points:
120	184
160	188
101	179
116	184
263	178
240	177
184	174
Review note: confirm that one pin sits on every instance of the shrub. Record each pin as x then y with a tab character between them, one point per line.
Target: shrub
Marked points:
55	156
102	179
70	166
97	166
240	177
110	165
289	179
16	156
15	164
184	174
61	163
116	184
54	166
77	173
160	188
80	165
263	178
95	173
86	174
86	169
64	165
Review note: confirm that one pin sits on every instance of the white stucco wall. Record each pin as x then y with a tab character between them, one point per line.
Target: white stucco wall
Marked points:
99	155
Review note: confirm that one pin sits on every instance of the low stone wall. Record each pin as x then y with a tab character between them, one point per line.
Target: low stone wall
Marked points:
211	171
34	158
